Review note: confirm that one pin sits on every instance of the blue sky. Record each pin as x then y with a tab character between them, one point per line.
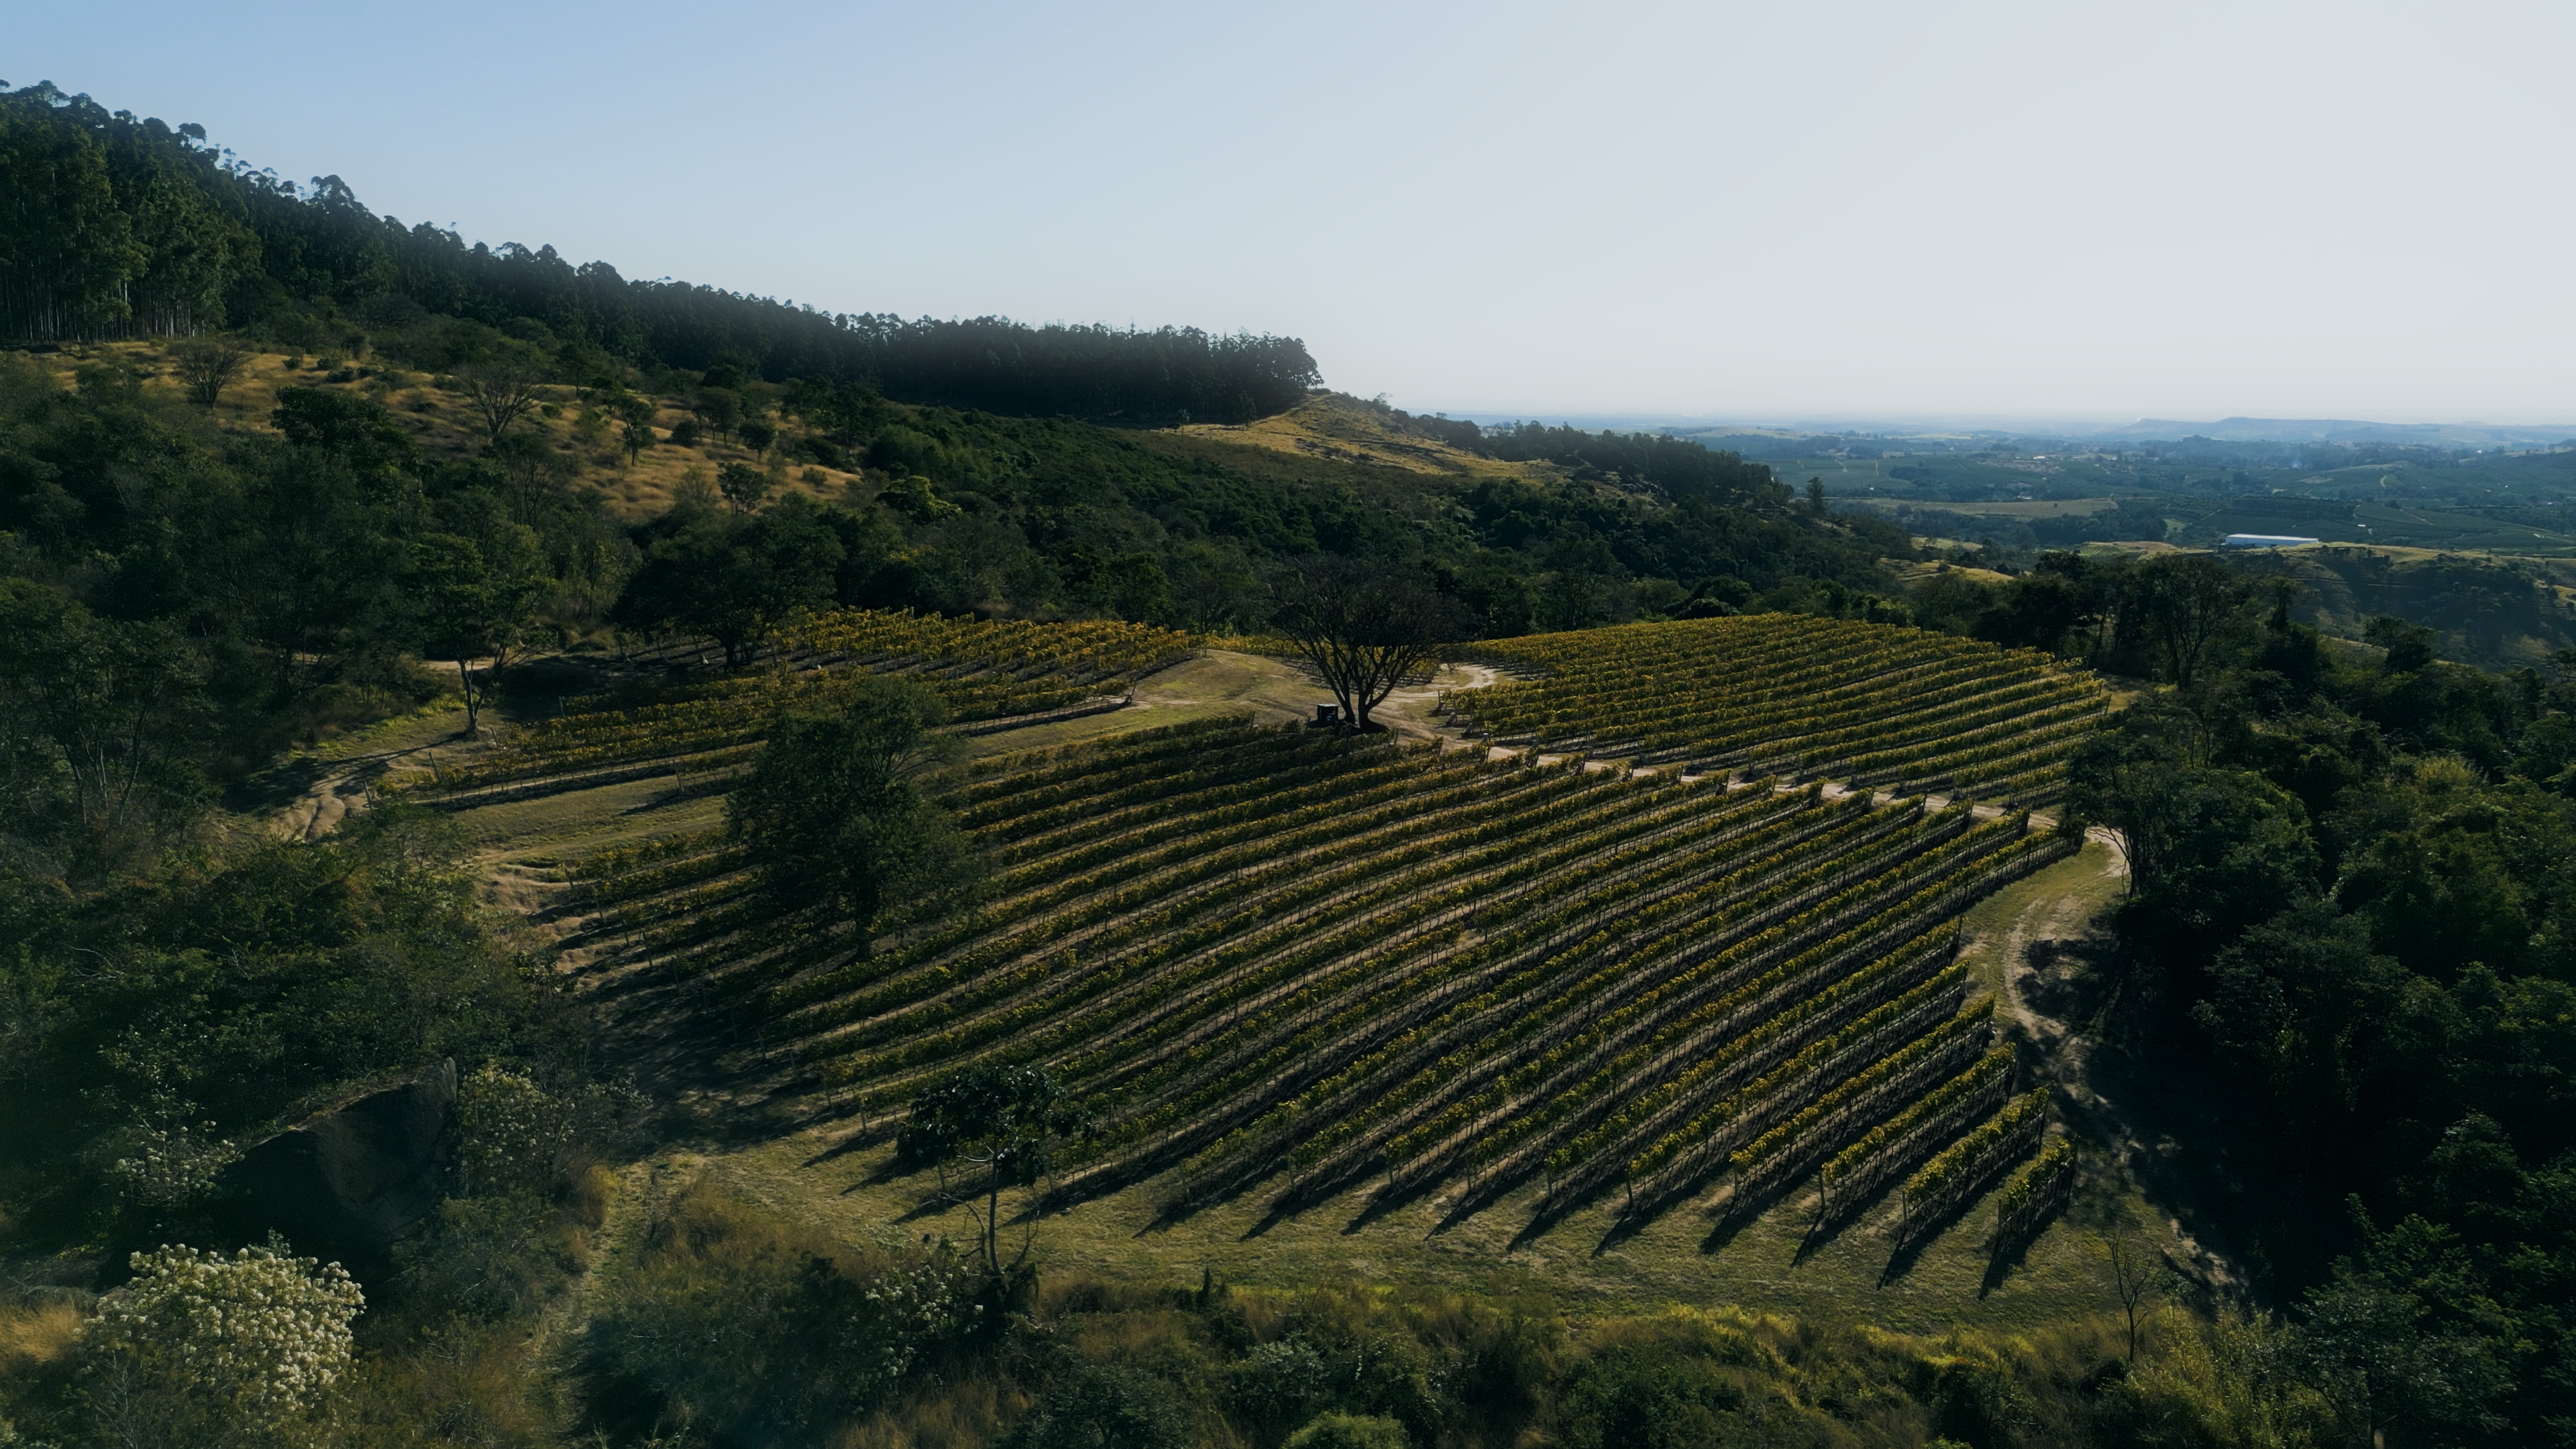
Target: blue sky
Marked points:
1711	210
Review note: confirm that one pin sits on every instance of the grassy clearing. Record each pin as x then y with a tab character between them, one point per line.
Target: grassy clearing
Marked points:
1341	429
1672	1263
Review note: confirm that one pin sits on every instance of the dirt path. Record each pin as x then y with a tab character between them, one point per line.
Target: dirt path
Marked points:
308	794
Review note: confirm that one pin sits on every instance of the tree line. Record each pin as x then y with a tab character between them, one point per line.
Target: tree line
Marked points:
117	226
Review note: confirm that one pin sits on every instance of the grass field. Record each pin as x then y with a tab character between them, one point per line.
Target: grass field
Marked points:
1344	430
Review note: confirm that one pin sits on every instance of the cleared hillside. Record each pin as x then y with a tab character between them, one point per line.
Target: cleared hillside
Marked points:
1277	964
1341	429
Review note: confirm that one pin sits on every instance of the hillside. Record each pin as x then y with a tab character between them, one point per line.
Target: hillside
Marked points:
1196	891
591	863
1342	429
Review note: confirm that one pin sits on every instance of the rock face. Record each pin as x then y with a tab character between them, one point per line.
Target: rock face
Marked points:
347	1184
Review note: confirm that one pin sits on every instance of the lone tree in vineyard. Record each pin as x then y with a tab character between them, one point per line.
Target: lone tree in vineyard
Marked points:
1365	625
1000	1125
832	818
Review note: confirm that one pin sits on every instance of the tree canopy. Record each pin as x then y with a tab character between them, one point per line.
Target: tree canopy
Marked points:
833	817
1365	625
118	226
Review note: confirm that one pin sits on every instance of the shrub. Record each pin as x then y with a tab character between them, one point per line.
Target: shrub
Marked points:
1661	1396
198	1344
512	1131
1105	1408
760	1331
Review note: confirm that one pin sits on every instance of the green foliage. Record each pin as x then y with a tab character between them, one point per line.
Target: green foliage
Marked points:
2351	880
763	1334
1000	1123
101	720
155	1023
1105	1407
737	579
124	226
1678	1396
470	605
512	1132
743	487
831	813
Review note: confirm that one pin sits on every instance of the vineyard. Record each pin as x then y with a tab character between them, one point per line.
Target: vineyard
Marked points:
1794	695
980	670
1288	963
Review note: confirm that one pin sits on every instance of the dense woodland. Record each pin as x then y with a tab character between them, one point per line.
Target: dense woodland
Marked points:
119	226
2349	913
2351	900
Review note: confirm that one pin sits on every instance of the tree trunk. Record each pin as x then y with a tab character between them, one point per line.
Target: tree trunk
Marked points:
993	1229
465	682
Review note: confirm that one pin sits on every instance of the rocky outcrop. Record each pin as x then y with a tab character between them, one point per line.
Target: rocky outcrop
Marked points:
349	1183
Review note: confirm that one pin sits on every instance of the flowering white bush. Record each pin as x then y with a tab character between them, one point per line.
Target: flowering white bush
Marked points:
930	1300
512	1130
169	1168
254	1338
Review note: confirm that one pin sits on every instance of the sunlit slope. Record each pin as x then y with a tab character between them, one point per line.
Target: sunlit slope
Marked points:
1865	704
1285	962
1331	427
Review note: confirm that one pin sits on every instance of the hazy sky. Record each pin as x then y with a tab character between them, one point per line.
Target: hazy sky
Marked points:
2170	209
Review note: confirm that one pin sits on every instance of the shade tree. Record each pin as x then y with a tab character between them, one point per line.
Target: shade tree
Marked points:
472	601
1365	625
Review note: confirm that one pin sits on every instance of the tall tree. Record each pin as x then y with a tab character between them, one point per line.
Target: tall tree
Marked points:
470	605
2186	603
833	816
635	418
1365	625
502	392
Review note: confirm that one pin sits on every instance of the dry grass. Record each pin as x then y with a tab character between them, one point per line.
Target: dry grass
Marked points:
1343	430
941	1416
37	1334
442	423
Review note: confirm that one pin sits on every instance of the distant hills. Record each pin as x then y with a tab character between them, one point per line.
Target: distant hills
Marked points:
1777	439
2338	430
